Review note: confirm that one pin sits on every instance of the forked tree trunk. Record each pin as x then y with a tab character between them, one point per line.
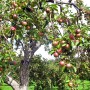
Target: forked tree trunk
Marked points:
24	77
29	51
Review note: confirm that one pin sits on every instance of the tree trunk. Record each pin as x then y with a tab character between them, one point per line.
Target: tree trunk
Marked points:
10	81
23	88
24	75
29	51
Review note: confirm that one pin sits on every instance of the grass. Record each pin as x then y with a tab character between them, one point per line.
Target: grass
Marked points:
5	87
82	85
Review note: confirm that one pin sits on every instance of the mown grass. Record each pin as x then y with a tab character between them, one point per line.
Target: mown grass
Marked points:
82	85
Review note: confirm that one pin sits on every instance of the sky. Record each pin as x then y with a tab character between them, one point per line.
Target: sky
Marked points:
41	50
44	53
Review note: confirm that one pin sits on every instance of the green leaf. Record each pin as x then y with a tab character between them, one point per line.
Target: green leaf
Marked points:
62	68
51	52
54	6
72	44
1	57
75	69
1	6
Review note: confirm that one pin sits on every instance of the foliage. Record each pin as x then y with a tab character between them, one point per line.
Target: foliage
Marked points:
25	23
48	74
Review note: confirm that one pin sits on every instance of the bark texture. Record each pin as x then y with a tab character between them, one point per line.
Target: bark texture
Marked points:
10	81
29	51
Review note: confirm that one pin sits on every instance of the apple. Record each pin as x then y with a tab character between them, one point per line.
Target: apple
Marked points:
48	10
67	46
59	51
40	33
78	31
63	42
56	54
1	68
78	35
62	63
70	84
71	36
14	62
60	20
13	28
14	4
55	43
28	27
68	65
24	23
15	16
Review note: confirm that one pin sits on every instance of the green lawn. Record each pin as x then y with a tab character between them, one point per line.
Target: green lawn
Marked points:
5	87
82	85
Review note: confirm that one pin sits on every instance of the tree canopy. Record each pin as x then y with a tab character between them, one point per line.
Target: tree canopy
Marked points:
28	24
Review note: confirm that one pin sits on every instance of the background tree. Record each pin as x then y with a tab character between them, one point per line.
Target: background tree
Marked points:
30	24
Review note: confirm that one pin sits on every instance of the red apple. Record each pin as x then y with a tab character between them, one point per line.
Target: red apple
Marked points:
13	28
59	51
71	36
24	23
78	35
14	62
62	63
28	27
55	43
40	33
67	46
78	31
48	10
68	65
1	68
60	20
56	54
15	16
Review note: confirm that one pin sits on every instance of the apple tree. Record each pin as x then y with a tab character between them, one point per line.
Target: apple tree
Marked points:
28	24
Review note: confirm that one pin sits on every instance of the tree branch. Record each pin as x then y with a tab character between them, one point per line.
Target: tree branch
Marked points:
10	81
35	48
69	4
